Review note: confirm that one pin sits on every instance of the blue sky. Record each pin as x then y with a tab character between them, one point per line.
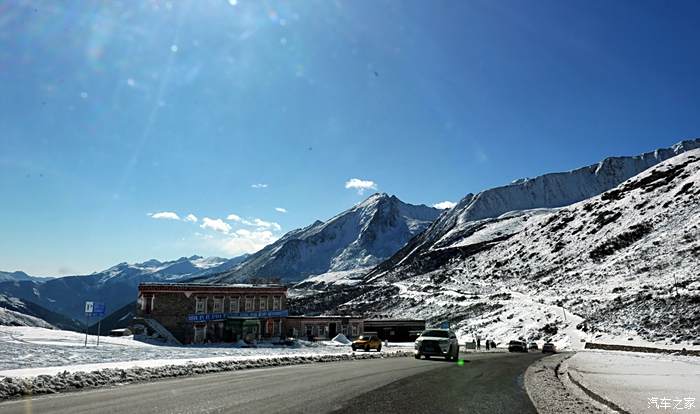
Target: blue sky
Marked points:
111	112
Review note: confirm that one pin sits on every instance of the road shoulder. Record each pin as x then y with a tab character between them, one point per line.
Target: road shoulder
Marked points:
548	388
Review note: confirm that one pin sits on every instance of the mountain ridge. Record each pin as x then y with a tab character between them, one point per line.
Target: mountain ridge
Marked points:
361	236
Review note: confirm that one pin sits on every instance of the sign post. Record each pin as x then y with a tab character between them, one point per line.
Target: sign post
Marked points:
94	309
99	311
88	311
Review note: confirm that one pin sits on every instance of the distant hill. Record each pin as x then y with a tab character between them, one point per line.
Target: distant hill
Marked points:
121	318
115	287
37	315
20	276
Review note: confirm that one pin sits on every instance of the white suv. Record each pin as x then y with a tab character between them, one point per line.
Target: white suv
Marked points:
437	342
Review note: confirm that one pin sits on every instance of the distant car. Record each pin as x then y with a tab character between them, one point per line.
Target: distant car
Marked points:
517	346
549	348
367	342
437	342
532	346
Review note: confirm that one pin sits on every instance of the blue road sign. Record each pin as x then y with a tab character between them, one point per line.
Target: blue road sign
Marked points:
95	309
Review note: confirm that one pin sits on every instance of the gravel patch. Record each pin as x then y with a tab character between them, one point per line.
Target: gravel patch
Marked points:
546	386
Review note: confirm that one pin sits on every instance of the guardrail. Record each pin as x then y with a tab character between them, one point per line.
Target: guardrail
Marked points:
631	348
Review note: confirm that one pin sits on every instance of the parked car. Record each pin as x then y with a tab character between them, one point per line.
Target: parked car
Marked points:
517	346
532	346
437	342
367	342
549	348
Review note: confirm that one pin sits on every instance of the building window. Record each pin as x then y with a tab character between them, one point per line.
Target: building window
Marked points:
322	331
354	330
276	303
234	303
218	305
200	333
200	305
263	303
249	300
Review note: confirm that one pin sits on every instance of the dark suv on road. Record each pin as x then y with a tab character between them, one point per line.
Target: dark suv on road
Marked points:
517	346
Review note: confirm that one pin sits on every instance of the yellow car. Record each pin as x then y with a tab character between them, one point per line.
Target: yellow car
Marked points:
367	342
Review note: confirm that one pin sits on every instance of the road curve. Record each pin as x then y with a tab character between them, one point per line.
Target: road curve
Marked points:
488	382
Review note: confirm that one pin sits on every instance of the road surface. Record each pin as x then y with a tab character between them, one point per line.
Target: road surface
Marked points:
487	382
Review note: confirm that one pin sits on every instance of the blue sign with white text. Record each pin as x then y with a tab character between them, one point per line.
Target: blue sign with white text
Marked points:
203	317
98	309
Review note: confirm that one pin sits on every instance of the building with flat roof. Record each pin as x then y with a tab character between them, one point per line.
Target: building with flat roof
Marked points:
395	330
323	327
201	313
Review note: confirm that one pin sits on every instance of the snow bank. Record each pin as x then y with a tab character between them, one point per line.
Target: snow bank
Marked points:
342	339
67	381
629	380
28	348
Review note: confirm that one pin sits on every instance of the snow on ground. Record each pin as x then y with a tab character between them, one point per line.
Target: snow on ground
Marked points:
29	351
632	381
12	318
491	228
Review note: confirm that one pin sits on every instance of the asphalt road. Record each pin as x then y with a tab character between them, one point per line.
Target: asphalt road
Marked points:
488	383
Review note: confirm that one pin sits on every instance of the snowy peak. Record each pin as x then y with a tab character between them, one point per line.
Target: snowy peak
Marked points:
359	237
546	191
623	262
168	270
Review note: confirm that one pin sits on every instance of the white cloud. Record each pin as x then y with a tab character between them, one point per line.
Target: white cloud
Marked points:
280	209
259	185
443	205
191	218
167	215
267	224
360	185
233	217
246	241
216	225
262	224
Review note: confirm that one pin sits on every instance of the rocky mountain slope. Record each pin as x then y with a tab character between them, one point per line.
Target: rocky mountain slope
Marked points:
17	312
625	262
358	238
546	191
13	318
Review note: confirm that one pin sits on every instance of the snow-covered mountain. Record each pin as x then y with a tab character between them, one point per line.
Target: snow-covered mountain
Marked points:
546	191
116	286
18	275
358	238
625	262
